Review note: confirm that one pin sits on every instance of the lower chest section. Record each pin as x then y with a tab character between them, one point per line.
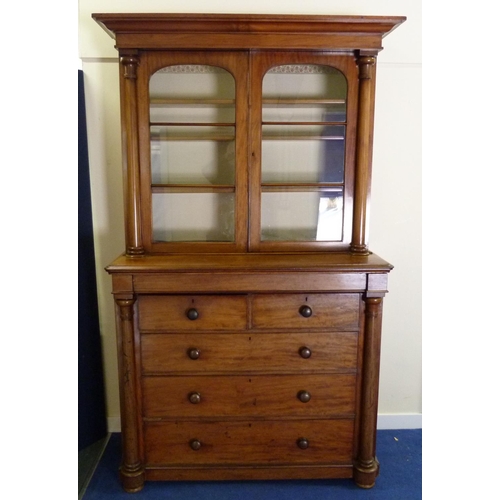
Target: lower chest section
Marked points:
248	380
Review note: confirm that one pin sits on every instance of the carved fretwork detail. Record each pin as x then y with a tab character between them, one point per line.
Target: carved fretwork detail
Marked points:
129	64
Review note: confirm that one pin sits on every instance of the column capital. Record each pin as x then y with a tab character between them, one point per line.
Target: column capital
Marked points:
366	63
129	63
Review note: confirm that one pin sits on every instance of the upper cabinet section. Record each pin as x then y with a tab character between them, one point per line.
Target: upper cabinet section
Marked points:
247	133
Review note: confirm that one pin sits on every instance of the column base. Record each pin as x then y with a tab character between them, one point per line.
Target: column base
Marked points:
132	479
365	473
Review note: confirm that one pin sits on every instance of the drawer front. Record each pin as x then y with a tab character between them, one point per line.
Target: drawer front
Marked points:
251	396
332	311
190	312
261	442
230	352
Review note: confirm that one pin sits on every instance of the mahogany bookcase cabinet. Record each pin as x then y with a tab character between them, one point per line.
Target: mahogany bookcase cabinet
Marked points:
248	304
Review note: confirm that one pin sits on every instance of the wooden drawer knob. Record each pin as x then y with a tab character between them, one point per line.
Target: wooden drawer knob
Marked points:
304	396
305	311
302	443
195	444
305	352
195	398
192	314
194	353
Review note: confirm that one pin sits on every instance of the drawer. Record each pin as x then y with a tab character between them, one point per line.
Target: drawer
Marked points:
192	312
317	310
260	442
252	396
257	352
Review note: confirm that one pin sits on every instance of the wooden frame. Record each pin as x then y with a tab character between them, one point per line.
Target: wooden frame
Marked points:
248	289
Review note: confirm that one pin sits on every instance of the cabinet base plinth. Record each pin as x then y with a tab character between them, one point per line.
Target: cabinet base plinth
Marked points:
364	474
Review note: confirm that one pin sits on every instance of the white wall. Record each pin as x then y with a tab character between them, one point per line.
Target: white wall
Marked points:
396	190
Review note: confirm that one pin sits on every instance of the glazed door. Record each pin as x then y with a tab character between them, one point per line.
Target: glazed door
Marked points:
193	108
303	134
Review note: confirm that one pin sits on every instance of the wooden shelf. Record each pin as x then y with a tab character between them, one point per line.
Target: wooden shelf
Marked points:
192	188
195	102
297	187
294	101
302	137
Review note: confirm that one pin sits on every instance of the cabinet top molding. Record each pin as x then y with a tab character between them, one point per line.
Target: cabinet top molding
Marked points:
236	31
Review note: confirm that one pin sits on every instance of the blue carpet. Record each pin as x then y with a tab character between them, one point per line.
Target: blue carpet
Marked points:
398	451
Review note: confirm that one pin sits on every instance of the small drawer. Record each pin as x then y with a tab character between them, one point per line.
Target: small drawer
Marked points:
250	352
249	442
192	312
253	396
317	310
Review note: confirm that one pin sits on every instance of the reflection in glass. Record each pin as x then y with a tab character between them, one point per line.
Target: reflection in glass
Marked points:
193	217
302	216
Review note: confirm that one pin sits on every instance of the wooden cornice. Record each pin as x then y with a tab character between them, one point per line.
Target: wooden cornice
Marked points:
236	31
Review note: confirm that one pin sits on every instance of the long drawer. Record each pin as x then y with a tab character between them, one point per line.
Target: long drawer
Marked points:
192	312
249	442
316	310
251	396
230	352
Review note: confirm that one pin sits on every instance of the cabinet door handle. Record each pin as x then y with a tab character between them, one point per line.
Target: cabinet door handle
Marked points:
194	398
305	311
194	353
302	443
192	314
195	444
305	352
304	396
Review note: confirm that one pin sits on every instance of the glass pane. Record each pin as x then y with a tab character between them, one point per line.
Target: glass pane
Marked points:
192	128
303	153
192	159
302	216
295	111
304	92
192	93
303	131
193	217
183	111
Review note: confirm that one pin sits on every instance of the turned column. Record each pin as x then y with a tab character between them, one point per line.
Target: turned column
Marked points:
364	142
131	469
366	466
130	154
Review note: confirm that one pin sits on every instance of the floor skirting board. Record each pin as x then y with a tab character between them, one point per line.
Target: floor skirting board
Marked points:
114	424
385	421
399	421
